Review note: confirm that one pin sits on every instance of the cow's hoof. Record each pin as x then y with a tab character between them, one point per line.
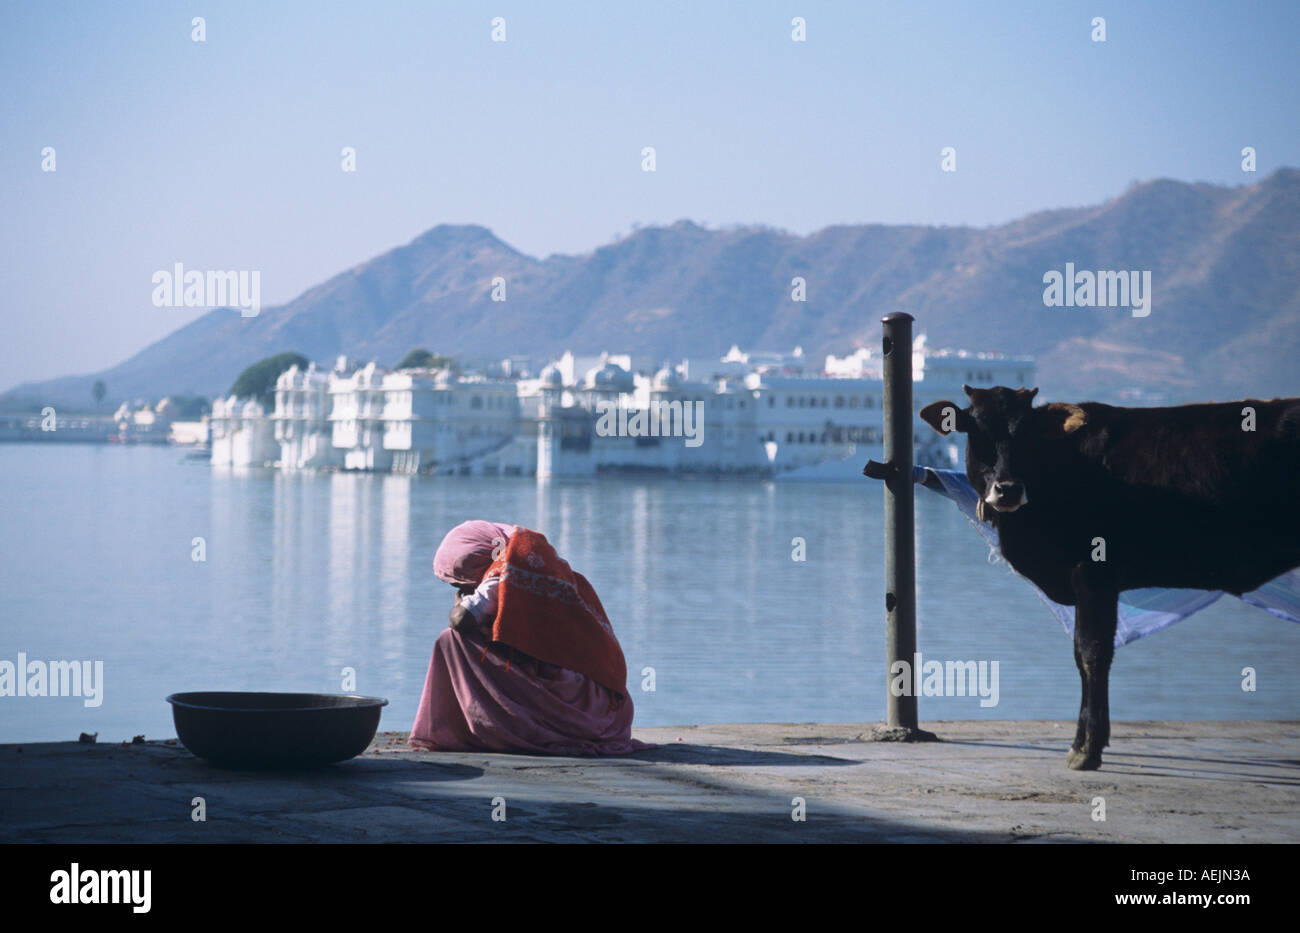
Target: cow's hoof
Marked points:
1079	761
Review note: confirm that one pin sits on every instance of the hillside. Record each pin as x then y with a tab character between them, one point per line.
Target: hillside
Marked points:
1225	319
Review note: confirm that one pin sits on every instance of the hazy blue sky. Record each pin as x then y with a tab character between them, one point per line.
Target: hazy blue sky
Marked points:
226	154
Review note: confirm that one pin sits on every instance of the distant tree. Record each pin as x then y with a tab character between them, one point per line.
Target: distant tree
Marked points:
190	407
421	358
98	390
258	381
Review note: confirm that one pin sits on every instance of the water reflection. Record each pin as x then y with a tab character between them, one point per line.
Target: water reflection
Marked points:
395	566
309	573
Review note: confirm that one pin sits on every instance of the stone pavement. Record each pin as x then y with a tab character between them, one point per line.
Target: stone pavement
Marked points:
985	782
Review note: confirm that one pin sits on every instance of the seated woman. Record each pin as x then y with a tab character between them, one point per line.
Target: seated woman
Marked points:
530	662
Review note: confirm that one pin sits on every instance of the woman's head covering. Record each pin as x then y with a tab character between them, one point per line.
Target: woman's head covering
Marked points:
466	552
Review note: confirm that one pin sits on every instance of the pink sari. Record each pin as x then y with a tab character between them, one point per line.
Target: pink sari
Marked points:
478	698
485	696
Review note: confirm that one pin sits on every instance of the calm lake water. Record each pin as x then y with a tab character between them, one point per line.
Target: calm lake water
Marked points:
308	574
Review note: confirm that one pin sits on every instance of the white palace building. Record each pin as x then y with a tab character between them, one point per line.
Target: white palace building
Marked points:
746	414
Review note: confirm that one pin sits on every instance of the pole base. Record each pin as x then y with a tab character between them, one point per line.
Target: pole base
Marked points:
883	733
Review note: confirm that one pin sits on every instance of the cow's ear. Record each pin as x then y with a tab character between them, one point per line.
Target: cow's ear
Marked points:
945	417
1027	394
1063	418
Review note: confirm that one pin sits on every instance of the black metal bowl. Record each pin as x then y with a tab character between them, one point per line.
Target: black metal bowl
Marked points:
275	730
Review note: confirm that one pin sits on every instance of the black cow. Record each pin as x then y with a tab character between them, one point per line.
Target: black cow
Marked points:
1090	500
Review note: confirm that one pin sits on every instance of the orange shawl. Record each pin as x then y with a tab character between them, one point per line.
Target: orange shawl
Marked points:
548	610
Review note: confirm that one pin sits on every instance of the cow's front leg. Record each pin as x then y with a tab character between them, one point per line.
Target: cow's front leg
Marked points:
1081	731
1096	615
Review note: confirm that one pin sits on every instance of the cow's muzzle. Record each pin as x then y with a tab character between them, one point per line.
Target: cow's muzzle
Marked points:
1006	497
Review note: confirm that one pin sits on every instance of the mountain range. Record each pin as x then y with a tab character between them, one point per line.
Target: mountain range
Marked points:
1224	317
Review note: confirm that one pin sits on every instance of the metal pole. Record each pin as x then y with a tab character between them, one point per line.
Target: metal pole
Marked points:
900	524
900	532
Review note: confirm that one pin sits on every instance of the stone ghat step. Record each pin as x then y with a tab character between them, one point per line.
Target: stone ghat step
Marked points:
760	782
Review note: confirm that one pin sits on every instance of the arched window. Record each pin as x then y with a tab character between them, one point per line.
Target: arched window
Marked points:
839	401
